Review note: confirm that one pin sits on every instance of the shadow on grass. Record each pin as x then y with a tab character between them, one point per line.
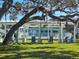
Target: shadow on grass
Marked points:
0	43
73	54
45	47
9	48
8	51
43	55
47	55
9	57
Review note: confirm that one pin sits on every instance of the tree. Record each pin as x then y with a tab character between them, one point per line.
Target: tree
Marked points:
39	5
5	7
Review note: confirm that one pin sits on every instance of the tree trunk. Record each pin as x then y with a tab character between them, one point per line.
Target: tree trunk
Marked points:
25	19
6	5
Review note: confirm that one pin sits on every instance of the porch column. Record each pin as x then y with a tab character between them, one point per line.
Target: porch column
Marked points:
5	29
48	32
19	36
24	34
13	38
61	32
51	32
28	36
39	40
27	31
74	33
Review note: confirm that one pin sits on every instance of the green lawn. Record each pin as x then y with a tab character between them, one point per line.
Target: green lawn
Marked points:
40	51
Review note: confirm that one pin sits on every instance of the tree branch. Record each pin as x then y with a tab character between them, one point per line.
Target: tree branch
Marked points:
25	19
6	5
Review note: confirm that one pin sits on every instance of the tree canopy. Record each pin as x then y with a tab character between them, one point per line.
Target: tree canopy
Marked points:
29	7
69	7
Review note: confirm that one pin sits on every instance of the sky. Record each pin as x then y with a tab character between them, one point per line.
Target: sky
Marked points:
58	13
8	15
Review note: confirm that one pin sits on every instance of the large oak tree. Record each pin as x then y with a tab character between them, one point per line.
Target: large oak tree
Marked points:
48	7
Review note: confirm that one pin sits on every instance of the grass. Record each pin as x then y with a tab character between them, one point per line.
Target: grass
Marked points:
40	51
